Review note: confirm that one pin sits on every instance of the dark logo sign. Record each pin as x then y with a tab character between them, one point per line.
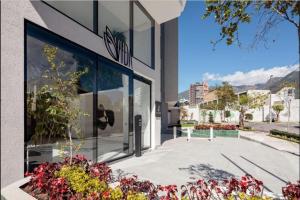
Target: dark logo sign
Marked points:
117	47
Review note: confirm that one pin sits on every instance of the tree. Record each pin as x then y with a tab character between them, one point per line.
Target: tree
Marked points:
231	14
226	97
56	113
210	117
278	108
247	102
183	113
203	114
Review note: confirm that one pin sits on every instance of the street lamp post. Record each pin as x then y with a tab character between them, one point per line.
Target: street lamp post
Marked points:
270	117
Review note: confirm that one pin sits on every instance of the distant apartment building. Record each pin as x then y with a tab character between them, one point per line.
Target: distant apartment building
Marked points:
197	92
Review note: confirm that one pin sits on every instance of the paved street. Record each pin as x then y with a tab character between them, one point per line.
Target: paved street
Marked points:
266	127
276	143
178	161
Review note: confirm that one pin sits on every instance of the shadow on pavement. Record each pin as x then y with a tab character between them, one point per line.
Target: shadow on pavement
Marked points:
243	170
207	172
264	170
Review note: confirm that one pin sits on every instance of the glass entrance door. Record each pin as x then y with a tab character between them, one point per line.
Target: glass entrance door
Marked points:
112	112
142	106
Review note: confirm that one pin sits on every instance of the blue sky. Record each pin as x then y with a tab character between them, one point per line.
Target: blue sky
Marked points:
198	61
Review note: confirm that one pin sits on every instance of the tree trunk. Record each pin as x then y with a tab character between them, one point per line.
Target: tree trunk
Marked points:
241	117
71	143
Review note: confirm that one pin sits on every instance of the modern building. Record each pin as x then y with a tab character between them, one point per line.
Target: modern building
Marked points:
119	60
197	92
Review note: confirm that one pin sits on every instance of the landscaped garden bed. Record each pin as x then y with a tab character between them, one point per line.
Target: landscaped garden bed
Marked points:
79	179
293	137
219	130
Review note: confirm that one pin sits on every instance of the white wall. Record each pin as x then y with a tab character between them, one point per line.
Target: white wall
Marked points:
13	14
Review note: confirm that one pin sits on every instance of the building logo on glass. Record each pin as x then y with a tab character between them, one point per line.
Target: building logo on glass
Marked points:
117	47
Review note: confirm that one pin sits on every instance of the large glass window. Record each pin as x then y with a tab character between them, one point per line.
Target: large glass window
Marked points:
80	11
115	15
112	112
142	35
51	64
99	97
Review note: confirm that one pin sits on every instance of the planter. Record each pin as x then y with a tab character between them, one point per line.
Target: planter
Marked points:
13	191
205	133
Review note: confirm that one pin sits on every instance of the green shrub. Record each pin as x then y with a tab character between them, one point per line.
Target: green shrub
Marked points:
248	116
285	135
80	181
211	117
136	196
194	122
227	113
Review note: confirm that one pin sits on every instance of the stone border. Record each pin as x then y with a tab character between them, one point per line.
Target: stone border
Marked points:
13	191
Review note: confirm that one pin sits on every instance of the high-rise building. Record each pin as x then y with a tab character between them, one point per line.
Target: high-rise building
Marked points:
197	92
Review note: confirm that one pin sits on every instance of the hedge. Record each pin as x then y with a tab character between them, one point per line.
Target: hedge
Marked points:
285	135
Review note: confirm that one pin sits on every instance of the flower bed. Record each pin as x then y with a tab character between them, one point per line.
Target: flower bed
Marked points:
82	180
216	127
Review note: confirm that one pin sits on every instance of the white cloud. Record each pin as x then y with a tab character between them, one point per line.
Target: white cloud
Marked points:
251	77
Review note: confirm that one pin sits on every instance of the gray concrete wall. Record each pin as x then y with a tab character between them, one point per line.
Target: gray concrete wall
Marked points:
171	60
13	14
169	71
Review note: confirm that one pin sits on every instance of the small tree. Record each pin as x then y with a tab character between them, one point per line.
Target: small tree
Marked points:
210	117
226	97
278	108
250	102
56	113
183	113
203	114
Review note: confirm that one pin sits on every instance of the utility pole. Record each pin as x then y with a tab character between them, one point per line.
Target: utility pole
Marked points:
270	117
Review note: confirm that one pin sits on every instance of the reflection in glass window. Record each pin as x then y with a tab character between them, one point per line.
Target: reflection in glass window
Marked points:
115	15
112	113
80	11
46	132
142	107
142	36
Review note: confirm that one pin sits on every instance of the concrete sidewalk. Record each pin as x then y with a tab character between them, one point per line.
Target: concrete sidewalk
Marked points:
279	144
178	162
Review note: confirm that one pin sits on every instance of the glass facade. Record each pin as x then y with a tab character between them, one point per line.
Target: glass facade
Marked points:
102	94
121	17
115	15
142	36
80	11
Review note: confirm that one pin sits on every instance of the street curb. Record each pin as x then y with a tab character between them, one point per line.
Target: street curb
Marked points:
265	144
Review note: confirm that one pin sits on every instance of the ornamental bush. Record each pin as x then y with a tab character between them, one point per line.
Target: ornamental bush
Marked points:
216	126
85	181
248	116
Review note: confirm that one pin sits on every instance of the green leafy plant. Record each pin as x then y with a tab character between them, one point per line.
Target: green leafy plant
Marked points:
278	108
248	116
227	113
210	117
285	135
230	15
247	102
54	105
203	114
80	181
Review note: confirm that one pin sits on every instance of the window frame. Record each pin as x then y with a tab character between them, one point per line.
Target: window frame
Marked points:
98	60
131	15
143	10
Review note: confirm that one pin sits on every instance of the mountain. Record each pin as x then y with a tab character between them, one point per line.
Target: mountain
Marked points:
274	84
184	95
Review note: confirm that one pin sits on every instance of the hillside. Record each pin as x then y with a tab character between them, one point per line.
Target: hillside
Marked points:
273	84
